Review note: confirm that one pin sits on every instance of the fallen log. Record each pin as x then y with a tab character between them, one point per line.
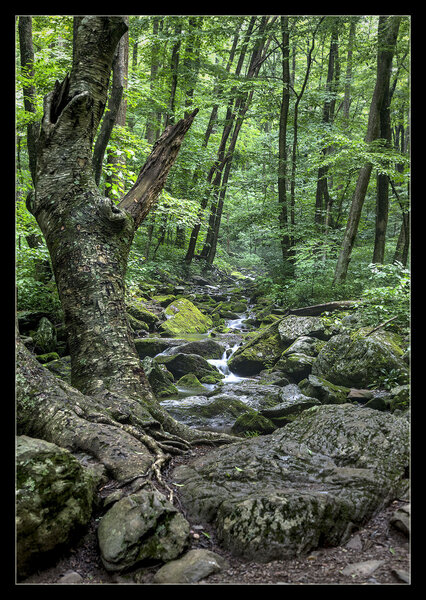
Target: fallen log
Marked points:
318	309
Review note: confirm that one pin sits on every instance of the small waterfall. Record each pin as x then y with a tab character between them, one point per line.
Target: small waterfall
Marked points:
221	365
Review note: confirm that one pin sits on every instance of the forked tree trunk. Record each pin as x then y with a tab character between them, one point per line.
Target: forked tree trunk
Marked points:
89	239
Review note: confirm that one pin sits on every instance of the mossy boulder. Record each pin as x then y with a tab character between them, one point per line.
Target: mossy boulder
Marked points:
296	366
182	317
137	309
191	382
325	391
44	338
61	367
54	496
253	422
164	299
261	352
141	527
359	360
292	327
48	357
160	379
181	364
204	348
278	496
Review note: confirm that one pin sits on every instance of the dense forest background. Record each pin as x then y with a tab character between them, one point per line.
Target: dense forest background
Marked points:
268	177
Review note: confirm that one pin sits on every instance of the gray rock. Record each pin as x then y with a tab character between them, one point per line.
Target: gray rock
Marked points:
293	403
54	496
362	569
70	577
181	364
192	567
401	519
358	360
325	391
296	366
283	494
45	337
292	327
142	526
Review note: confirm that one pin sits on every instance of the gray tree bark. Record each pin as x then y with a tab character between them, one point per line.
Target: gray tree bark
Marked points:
89	239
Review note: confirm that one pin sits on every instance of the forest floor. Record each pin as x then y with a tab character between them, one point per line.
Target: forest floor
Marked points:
383	550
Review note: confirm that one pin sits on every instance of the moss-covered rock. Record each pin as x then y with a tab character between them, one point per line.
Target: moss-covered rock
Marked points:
61	368
54	496
293	327
182	364
260	352
44	338
141	527
160	379
184	317
359	360
253	422
280	495
45	358
164	299
137	309
296	366
325	391
191	382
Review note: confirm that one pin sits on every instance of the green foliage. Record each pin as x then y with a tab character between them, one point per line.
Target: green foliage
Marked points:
387	295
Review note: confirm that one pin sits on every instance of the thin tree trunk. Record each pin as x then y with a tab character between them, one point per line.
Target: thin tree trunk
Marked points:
348	76
218	166
322	198
282	141
387	34
174	65
27	62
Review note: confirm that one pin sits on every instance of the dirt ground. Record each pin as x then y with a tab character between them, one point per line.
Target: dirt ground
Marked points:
378	540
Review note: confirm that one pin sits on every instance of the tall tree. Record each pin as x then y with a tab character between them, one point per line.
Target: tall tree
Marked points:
322	197
110	411
282	140
386	36
27	65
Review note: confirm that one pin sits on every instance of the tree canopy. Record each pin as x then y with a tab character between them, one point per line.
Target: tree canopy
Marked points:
221	204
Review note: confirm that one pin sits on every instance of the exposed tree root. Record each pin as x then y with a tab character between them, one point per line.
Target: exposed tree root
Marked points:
139	447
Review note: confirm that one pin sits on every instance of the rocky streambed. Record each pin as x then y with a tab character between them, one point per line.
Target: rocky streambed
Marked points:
320	449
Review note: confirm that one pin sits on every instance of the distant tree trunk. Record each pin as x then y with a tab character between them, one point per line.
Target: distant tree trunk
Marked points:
387	35
348	76
120	73
174	66
27	62
322	197
282	141
215	171
295	129
89	239
153	121
241	106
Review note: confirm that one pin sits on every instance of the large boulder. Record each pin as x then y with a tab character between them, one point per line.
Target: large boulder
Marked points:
307	485
293	402
45	337
194	566
181	364
217	413
160	379
183	317
204	348
260	353
54	495
292	327
358	360
254	395
325	391
141	527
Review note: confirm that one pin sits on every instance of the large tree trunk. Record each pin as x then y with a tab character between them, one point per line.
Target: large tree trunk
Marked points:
387	34
89	239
